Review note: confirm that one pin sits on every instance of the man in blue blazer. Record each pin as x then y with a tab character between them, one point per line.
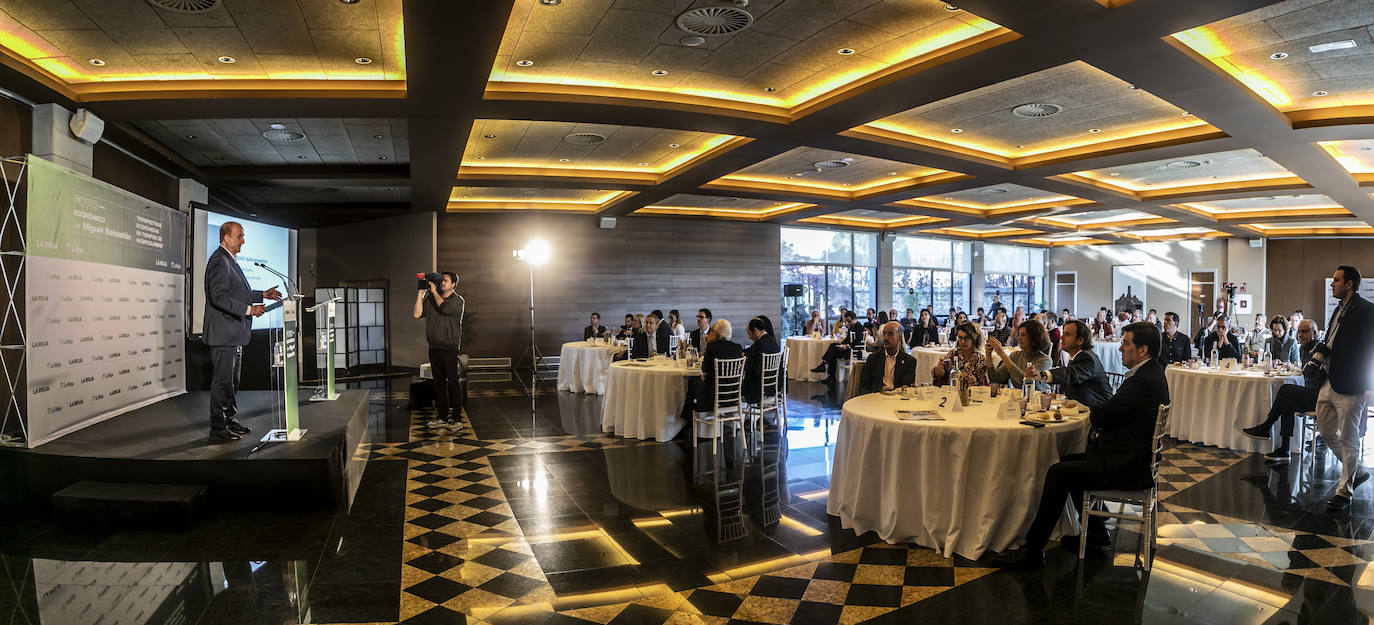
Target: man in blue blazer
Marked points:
228	325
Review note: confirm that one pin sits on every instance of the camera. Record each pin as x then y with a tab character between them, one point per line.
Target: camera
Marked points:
426	277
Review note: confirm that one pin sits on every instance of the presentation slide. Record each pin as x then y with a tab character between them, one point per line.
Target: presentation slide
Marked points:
270	245
105	301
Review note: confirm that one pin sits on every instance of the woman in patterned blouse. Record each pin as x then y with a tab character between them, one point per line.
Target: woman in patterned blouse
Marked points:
968	347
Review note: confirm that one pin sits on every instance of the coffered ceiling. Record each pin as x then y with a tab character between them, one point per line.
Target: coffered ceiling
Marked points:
1060	122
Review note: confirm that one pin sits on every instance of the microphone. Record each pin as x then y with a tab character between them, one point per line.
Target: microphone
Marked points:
290	284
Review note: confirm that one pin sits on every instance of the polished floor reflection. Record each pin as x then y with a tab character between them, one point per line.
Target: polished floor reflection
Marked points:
533	515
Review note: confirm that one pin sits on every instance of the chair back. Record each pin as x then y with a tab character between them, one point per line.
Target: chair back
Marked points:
1115	379
772	366
729	379
1161	429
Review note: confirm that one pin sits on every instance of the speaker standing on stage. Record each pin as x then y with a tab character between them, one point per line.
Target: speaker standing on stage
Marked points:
228	325
442	310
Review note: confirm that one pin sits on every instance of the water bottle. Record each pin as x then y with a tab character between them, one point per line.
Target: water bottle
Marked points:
1216	362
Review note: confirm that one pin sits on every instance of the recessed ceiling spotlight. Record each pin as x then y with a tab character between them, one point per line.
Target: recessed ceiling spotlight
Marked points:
692	41
348	1
97	62
524	62
1020	146
226	59
391	188
381	158
562	160
1132	87
481	158
673	145
218	158
1366	148
659	72
844	184
378	137
550	3
488	136
1320	93
643	164
195	137
949	198
1115	173
1094	130
892	173
362	60
845	51
300	156
770	89
1187	114
277	126
1279	56
956	130
950	7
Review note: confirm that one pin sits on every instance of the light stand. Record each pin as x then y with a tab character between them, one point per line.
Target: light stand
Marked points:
536	252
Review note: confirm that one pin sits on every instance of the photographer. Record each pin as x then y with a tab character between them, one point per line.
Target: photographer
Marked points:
1344	358
442	310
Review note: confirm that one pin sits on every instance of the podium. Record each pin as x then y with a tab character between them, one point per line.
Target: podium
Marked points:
284	357
325	335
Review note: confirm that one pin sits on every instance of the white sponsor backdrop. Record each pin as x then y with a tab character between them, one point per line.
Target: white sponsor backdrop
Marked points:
105	302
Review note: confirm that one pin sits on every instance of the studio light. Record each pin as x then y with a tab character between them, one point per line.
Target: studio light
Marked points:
536	252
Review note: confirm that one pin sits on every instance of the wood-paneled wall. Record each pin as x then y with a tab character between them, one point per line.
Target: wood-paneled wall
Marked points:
125	172
642	264
1297	269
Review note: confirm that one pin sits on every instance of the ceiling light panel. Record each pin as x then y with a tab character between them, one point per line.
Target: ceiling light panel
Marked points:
880	220
1288	51
691	205
288	40
531	198
1218	168
1356	156
1101	218
790	47
1061	108
1347	227
1171	233
978	201
543	144
1280	205
804	167
328	141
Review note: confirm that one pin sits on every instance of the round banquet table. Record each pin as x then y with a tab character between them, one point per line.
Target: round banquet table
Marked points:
804	353
1109	352
964	485
644	399
1210	406
582	366
926	357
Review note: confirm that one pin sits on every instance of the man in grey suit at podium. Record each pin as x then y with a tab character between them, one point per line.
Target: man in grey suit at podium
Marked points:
228	324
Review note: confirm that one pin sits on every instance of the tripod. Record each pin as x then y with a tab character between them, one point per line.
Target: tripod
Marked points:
532	353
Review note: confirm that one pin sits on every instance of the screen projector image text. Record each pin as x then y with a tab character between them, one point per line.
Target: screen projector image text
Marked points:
263	243
105	288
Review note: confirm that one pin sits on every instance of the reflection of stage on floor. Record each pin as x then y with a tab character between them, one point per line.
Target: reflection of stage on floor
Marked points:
167	443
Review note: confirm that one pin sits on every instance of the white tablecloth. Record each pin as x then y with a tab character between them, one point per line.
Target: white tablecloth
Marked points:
804	353
926	357
645	401
964	485
1210	407
582	367
1109	352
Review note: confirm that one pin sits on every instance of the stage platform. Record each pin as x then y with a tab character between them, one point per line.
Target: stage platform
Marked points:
167	443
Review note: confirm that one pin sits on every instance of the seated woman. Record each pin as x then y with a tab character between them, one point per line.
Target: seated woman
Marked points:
959	319
677	331
925	331
1034	342
968	349
1281	345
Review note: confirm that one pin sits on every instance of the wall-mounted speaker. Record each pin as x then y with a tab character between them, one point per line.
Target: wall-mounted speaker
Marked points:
1256	242
86	126
608	223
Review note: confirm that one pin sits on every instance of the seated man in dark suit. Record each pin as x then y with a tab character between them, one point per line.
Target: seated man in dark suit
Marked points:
628	330
697	338
1083	380
763	343
891	367
595	328
718	347
1121	449
1226	343
1291	398
1174	345
649	341
854	336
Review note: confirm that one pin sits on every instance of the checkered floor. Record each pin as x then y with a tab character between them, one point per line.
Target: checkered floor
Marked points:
466	558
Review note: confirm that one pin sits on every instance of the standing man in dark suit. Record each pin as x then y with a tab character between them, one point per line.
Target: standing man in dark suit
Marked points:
1083	380
1344	356
1174	345
697	338
594	328
763	343
1120	454
891	367
228	325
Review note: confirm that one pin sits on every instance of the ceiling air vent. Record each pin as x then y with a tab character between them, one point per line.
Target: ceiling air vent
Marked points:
185	6
824	165
1183	164
283	136
1037	110
584	138
714	20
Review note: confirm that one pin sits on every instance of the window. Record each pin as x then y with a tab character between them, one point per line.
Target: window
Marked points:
1014	276
930	272
835	269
